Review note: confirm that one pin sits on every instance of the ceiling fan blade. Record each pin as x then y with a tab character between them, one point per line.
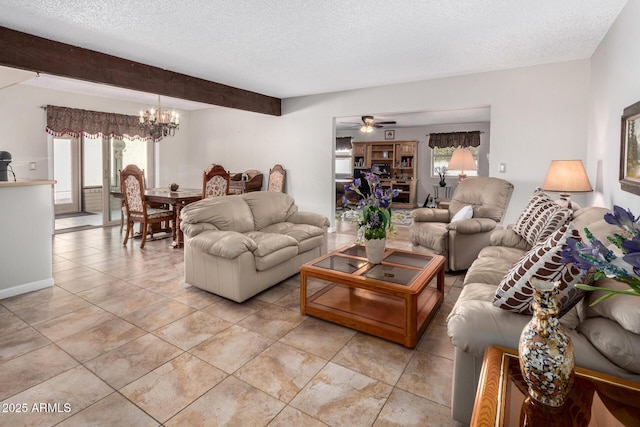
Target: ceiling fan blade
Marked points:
393	122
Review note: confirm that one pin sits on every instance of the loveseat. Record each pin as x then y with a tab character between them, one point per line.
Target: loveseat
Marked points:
237	246
606	337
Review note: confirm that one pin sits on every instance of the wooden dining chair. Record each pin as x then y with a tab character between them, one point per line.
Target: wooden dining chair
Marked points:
138	209
277	177
215	181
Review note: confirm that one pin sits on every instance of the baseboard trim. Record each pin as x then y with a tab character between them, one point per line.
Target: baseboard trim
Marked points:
26	287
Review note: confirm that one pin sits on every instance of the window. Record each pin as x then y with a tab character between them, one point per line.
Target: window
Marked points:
441	157
343	163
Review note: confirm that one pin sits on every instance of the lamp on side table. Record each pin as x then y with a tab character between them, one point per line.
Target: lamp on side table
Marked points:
564	177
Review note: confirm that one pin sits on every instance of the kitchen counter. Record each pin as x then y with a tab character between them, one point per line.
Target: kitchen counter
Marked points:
26	230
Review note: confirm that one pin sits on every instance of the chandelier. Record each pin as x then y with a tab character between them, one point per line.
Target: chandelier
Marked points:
158	123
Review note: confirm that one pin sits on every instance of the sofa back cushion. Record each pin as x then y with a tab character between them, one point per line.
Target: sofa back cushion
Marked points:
269	207
229	213
622	309
540	218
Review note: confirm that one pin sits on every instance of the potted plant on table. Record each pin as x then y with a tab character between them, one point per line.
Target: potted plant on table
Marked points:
374	221
442	173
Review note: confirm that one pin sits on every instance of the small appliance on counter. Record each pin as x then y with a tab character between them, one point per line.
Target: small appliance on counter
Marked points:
5	160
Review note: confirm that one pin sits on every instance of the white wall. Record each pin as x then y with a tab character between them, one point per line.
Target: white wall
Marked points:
614	85
23	123
537	114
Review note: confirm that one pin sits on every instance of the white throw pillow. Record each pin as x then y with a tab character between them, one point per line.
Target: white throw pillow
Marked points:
465	213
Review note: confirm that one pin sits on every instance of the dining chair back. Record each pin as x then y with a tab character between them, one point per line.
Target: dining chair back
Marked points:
277	177
215	181
137	208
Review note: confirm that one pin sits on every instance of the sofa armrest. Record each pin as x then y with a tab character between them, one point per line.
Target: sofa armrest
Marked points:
430	215
509	239
473	225
191	230
309	218
225	244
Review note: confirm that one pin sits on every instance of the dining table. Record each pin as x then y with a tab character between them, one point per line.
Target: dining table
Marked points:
177	199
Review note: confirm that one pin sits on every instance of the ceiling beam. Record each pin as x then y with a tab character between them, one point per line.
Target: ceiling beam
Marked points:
33	53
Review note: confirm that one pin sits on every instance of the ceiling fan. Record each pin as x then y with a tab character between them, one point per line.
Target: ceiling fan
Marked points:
368	124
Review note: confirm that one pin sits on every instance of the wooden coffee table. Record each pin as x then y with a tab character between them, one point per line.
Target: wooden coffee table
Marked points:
394	300
595	399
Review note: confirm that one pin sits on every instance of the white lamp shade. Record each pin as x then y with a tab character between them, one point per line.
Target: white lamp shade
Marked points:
567	176
462	160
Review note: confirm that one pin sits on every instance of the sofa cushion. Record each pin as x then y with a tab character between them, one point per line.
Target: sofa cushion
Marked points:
307	236
492	269
267	243
618	345
509	238
509	255
225	244
230	213
272	249
540	218
544	262
269	207
623	309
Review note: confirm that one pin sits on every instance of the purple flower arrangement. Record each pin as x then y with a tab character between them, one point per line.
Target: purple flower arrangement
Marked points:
597	260
374	219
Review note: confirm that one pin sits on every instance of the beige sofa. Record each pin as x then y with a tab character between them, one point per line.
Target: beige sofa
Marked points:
237	246
606	338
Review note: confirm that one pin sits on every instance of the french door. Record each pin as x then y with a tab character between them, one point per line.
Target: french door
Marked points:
66	173
119	153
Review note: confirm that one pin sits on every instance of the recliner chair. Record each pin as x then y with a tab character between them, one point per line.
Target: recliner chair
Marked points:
440	231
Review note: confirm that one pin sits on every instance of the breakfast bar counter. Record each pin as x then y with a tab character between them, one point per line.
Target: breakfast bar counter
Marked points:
26	227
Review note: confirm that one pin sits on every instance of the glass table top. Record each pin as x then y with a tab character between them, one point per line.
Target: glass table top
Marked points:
397	267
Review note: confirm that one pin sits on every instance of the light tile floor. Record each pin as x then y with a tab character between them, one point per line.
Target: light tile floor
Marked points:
122	340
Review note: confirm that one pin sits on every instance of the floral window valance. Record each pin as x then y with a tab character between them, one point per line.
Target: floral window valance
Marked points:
93	124
454	139
343	143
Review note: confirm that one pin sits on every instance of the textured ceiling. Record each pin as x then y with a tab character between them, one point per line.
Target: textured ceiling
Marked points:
287	48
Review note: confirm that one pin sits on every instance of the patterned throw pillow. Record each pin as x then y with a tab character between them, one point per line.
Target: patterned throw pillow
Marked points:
543	262
541	217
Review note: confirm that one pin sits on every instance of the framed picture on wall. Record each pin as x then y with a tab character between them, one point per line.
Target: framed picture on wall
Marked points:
389	134
629	150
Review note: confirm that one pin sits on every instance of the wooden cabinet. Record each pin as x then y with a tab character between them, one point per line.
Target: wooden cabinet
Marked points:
395	161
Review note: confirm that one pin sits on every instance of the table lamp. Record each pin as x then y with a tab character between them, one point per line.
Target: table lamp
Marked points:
564	177
462	160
